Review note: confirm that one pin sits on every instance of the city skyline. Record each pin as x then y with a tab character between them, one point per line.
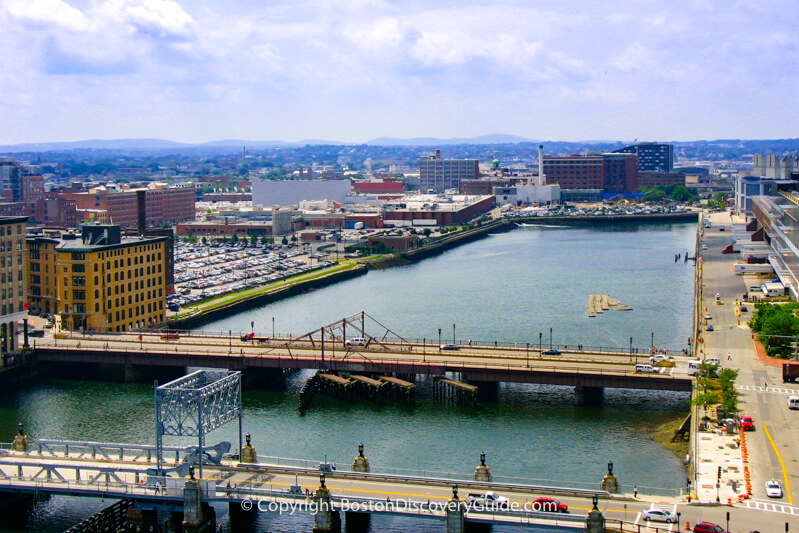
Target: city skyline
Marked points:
351	71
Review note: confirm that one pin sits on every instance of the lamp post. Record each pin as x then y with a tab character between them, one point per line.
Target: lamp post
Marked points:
252	327
631	348
528	354
230	340
652	342
439	338
539	342
453	334
273	327
728	522
550	338
678	521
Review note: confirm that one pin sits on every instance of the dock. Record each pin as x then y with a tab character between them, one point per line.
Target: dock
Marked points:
599	303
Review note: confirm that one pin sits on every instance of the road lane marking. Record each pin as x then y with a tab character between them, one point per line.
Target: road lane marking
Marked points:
782	463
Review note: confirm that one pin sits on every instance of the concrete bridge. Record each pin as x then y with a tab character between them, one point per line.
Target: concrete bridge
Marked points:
486	366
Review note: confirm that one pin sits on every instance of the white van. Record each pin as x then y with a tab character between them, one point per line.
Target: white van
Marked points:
356	341
793	402
693	367
713	361
645	369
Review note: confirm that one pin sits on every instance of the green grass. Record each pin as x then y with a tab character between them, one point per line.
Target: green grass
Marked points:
225	299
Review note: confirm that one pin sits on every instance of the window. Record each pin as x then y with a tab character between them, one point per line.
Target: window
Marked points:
78	295
79	281
78	268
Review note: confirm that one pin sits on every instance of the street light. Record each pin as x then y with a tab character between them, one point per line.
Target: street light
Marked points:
652	342
539	342
631	348
439	338
550	338
273	327
252	327
728	522
230	340
528	354
453	334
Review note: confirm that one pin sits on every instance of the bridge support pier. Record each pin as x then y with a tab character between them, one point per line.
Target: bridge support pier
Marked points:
595	521
486	390
264	378
140	520
326	519
361	463
584	395
357	522
455	513
482	472
198	516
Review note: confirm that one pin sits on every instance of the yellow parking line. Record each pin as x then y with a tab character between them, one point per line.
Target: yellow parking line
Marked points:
782	463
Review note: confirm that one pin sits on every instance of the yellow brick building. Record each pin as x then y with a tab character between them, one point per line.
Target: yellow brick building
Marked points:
12	280
98	280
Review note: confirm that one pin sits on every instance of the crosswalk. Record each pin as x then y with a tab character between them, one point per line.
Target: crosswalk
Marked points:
769	390
772	507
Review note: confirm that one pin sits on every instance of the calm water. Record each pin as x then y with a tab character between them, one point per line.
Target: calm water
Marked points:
506	287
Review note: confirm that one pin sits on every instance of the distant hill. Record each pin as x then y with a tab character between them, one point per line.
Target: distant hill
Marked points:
95	144
495	138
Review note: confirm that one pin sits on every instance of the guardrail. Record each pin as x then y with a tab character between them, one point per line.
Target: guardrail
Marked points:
428	360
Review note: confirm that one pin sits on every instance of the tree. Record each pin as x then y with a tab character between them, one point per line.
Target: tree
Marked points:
234	239
285	241
264	240
777	334
253	240
293	238
205	240
654	195
680	193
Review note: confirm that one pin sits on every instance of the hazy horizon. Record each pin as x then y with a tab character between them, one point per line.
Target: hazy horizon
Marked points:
351	71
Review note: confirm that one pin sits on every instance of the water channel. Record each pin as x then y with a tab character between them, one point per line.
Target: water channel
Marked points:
506	287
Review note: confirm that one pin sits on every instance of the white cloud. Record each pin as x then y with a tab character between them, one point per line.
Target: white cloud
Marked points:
162	18
47	12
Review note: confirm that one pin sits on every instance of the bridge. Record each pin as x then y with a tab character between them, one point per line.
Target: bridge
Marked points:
160	477
382	353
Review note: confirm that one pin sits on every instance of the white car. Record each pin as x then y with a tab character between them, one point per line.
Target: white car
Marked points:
773	489
658	358
659	515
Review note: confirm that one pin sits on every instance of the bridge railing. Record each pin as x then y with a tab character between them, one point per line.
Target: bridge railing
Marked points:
519	362
226	338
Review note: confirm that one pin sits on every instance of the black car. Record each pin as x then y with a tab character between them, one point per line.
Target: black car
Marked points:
709	327
551	351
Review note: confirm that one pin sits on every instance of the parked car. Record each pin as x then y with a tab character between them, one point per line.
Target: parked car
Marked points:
551	351
550	505
747	424
773	489
659	515
450	347
645	369
708	316
36	333
710	327
708	527
48	324
754	288
713	361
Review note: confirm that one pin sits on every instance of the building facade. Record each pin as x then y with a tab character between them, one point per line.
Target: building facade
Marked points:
98	280
652	157
612	173
168	205
13	300
437	174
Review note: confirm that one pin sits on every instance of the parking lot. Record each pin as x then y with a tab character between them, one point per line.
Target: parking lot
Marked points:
206	271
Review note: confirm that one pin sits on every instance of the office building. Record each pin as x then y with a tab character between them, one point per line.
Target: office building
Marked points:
98	280
652	157
437	174
13	302
163	205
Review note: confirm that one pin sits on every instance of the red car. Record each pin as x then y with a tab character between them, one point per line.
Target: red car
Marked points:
747	424
168	336
708	527
550	505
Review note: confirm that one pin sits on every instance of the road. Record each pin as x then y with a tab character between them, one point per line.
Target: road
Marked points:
762	393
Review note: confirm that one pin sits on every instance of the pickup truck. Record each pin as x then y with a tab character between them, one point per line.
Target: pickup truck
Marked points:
790	371
489	499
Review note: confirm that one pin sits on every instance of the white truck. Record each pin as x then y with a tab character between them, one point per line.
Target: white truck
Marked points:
489	499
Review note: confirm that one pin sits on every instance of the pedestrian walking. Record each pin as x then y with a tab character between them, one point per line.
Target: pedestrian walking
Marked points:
157	487
635	491
729	356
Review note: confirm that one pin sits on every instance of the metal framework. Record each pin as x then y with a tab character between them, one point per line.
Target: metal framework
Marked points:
195	405
336	333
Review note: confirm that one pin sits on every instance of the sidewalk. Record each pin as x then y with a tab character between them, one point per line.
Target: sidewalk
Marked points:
716	449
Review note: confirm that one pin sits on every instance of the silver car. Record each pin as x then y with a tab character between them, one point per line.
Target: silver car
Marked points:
659	515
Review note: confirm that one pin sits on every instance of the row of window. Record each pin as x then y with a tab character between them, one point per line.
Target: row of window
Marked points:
9	230
137	312
10	246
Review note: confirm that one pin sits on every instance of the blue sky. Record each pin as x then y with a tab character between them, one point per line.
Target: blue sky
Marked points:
354	70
